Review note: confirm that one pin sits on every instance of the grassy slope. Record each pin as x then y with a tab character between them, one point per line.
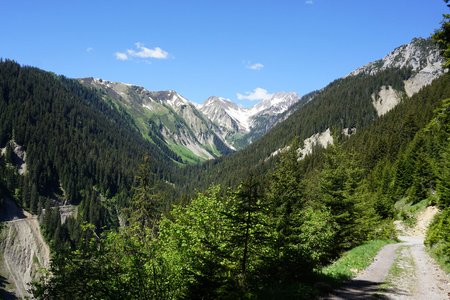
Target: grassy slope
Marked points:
353	261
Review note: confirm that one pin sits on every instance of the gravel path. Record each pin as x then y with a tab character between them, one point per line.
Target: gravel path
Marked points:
399	271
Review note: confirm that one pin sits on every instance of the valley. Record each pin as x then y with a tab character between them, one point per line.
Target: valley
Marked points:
112	190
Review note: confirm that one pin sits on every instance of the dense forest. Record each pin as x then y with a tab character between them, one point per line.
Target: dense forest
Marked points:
255	228
270	235
264	238
79	149
345	103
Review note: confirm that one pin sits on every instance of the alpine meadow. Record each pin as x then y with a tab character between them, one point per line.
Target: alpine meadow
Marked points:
162	189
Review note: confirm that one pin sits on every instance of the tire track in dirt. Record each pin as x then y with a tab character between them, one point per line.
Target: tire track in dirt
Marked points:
400	271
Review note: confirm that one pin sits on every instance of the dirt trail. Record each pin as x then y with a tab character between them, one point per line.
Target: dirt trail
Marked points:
401	271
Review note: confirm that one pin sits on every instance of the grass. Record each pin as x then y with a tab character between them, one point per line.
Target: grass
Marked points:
402	267
436	252
187	155
407	212
353	261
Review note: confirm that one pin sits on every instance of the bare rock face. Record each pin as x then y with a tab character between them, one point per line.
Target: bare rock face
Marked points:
166	117
422	56
322	139
386	99
23	251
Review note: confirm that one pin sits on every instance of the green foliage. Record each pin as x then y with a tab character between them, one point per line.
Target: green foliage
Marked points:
442	37
145	206
194	243
73	138
344	103
273	229
116	265
438	238
120	264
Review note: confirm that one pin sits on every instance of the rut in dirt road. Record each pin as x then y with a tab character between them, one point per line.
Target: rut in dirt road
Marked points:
399	271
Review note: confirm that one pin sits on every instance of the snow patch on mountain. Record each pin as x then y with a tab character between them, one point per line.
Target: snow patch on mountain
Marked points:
278	103
219	109
386	99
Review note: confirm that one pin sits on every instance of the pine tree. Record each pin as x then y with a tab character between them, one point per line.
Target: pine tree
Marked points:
145	204
248	232
443	186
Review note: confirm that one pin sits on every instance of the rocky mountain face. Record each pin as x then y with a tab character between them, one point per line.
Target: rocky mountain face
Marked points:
239	125
193	133
218	126
167	119
422	56
423	62
23	250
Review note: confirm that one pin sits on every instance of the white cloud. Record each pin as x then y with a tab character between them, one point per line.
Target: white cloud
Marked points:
89	49
256	67
145	52
309	2
121	56
142	52
256	95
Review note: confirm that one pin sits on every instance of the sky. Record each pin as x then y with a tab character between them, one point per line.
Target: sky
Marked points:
243	50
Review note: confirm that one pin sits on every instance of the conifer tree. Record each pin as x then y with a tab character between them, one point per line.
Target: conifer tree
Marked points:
145	204
248	231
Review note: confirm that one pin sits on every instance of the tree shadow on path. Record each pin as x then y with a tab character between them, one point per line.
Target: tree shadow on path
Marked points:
363	289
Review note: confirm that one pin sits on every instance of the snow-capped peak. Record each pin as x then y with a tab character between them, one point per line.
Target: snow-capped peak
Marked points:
277	103
224	112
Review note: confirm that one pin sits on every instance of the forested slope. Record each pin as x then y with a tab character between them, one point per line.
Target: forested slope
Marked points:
270	235
74	147
345	103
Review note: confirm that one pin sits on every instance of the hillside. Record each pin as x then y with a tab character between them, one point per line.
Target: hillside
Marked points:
105	147
193	133
345	106
166	119
271	235
73	140
23	250
241	126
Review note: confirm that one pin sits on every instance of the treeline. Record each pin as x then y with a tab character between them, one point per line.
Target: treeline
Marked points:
344	103
79	150
258	239
269	236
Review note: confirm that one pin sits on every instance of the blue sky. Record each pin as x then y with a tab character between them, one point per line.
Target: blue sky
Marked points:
238	49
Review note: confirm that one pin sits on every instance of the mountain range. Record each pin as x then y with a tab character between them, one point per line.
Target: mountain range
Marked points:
81	141
219	126
193	132
340	109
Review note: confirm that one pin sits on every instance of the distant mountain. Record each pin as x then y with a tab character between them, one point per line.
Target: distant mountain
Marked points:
239	125
344	107
165	118
422	56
